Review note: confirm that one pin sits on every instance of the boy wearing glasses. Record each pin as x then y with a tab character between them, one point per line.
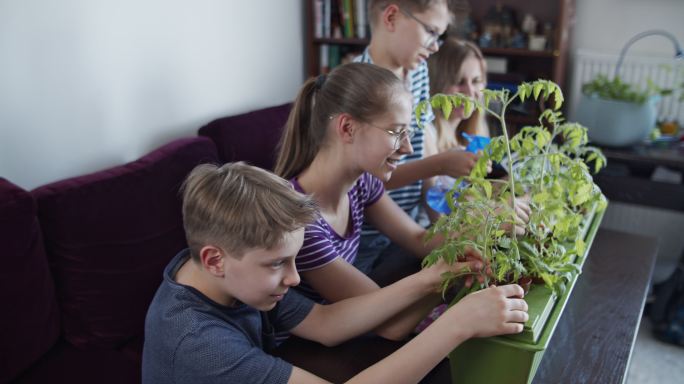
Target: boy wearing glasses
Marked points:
404	33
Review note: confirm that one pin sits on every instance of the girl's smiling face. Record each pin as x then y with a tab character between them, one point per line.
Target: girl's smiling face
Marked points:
470	82
384	141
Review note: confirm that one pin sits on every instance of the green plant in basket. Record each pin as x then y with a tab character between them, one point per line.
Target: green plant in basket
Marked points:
551	164
617	89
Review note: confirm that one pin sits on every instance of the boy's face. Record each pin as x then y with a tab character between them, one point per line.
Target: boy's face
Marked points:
262	276
416	33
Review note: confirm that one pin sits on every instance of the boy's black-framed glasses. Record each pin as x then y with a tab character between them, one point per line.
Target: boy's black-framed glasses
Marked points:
399	136
434	36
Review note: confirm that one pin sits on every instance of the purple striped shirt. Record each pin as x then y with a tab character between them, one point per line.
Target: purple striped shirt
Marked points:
322	244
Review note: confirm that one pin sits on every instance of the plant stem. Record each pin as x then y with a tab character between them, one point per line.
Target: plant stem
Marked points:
510	157
546	153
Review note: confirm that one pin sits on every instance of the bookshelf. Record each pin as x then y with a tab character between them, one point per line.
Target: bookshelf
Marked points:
336	30
553	19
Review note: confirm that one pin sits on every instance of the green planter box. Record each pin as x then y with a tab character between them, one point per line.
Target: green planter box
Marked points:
517	357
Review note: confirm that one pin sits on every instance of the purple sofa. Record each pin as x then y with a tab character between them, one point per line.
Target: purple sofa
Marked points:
251	137
84	260
84	256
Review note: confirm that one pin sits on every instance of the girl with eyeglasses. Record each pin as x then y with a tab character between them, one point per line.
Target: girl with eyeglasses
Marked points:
345	135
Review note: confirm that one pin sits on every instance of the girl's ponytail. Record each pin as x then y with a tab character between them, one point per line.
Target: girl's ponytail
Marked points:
363	91
297	147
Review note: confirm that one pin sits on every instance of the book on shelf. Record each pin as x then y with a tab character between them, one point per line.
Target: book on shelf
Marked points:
323	58
332	55
327	5
360	10
318	18
340	19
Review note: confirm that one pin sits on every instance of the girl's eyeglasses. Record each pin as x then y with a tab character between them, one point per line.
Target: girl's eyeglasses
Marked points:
399	136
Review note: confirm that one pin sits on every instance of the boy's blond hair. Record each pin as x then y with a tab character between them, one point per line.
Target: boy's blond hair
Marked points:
375	7
239	207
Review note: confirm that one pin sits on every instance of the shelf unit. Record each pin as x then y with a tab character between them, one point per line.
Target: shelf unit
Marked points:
522	64
313	44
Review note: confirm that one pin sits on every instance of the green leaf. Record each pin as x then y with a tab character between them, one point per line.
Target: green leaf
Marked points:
541	197
436	101
488	189
467	108
420	108
558	99
524	92
537	89
487	98
446	109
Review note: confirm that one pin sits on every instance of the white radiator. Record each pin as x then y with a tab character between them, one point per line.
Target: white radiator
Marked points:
636	70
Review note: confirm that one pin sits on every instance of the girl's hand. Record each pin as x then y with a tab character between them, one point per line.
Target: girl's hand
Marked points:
457	163
470	266
522	215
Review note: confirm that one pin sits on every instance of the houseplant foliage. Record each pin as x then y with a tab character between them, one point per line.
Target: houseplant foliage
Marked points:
617	89
550	163
619	113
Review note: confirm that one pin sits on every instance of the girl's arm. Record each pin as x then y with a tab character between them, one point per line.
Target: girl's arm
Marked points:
393	222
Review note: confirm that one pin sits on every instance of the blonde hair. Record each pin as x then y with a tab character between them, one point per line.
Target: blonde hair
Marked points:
445	69
239	207
364	91
375	7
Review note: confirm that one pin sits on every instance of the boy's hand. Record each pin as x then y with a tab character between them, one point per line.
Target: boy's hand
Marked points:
490	312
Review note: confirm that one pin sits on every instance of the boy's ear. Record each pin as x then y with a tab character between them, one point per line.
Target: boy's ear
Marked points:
388	17
213	260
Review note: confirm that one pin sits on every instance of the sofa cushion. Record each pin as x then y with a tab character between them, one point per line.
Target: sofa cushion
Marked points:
251	137
108	237
65	363
29	324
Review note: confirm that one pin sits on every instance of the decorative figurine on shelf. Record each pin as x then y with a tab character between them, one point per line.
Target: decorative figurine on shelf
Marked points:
485	40
549	33
517	39
529	24
499	23
462	25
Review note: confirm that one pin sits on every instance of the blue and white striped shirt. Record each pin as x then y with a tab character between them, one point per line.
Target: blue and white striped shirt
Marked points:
418	83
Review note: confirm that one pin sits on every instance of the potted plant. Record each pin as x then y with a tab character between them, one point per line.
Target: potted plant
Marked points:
616	112
549	163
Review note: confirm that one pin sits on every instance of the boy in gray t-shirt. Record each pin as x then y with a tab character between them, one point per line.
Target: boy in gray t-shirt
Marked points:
214	315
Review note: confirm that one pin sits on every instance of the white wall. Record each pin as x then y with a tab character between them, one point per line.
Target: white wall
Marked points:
606	25
88	84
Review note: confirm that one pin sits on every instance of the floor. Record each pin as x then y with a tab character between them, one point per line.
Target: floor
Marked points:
655	362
